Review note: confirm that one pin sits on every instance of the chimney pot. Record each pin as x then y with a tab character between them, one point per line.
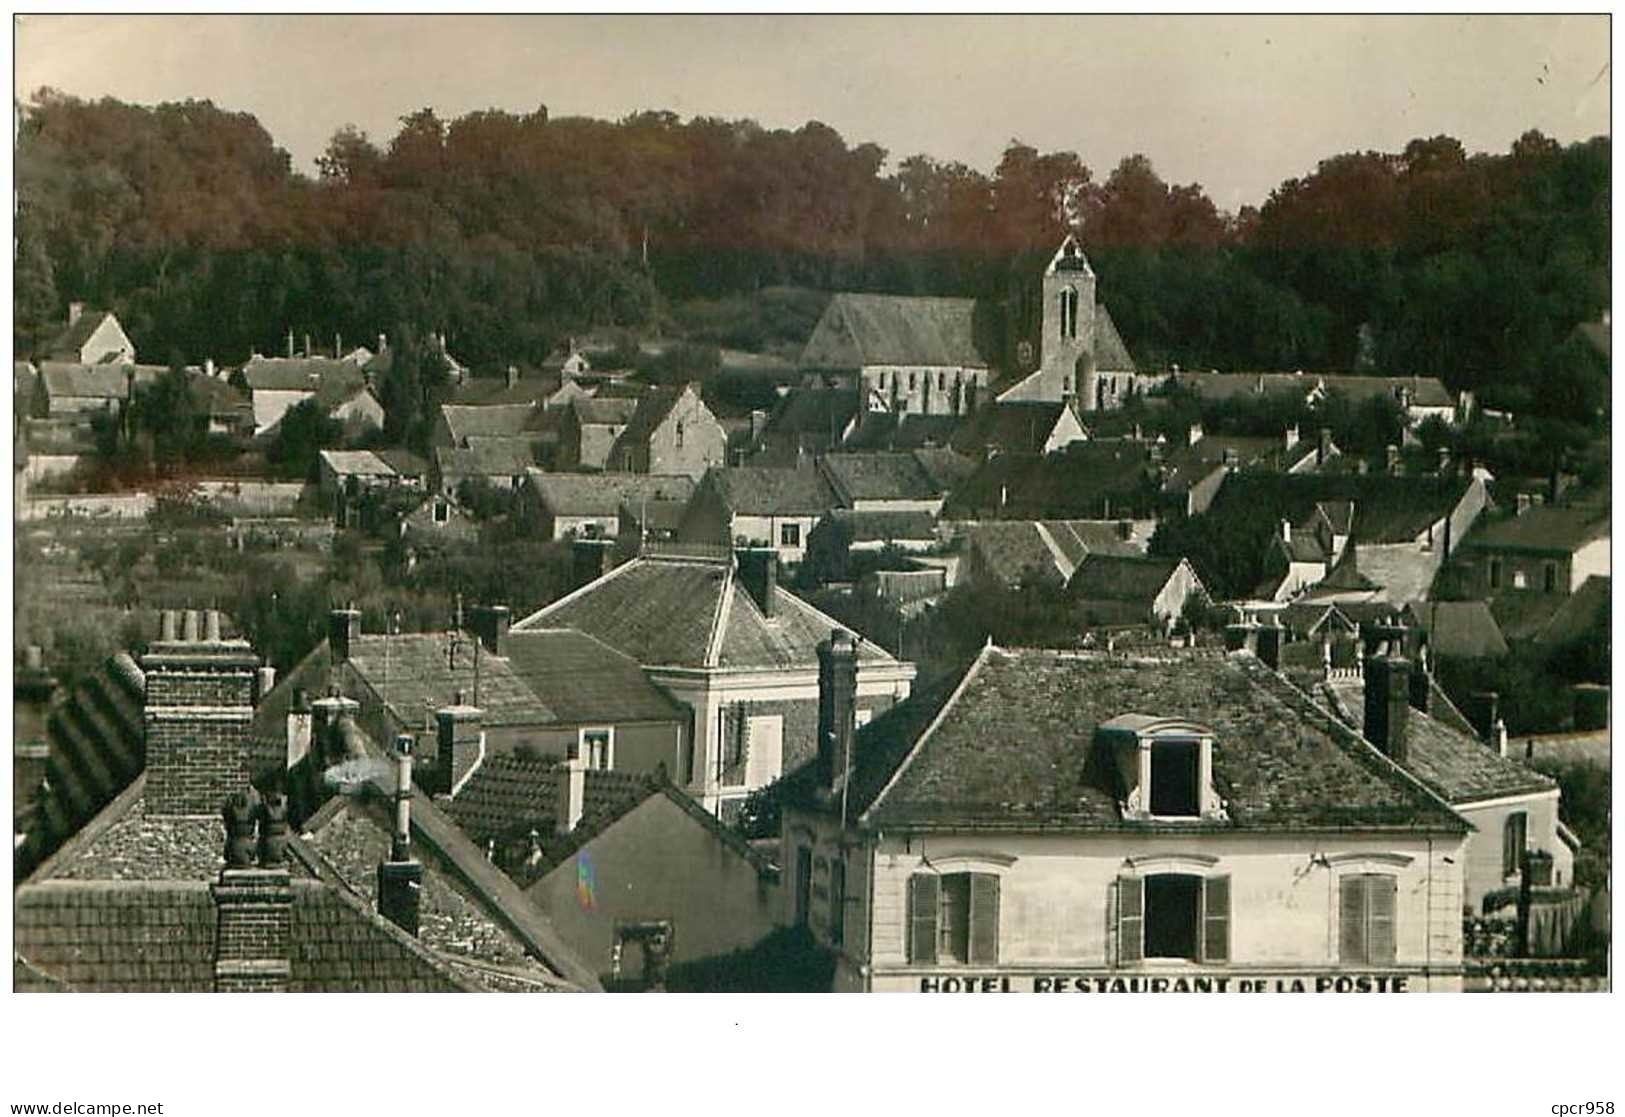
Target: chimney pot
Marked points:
190	626
266	683
169	626
572	793
400	878
211	626
76	310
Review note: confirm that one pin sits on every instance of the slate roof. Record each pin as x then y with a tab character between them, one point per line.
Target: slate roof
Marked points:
416	673
494	391
946	468
1459	629
602	494
1013	747
403	461
879	475
814	411
485	457
1008	549
508	420
1544	529
860	330
1455	765
1074	483
672	612
1131	578
1015	427
751	490
650	412
585	680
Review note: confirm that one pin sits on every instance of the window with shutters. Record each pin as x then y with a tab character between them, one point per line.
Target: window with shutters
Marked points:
953	918
1366	918
1173	916
1514	835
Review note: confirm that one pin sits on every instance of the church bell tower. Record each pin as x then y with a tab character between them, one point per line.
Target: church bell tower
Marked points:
1068	341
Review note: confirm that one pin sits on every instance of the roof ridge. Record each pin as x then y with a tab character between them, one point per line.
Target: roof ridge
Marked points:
524	623
988	651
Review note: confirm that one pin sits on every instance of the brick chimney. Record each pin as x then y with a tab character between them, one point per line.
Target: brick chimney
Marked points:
461	745
490	624
253	899
759	574
837	706
1387	704
343	627
571	793
400	878
198	710
590	560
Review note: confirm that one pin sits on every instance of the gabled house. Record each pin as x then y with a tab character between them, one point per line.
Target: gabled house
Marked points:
1548	548
1192	473
634	874
75	391
735	648
900	353
570	505
91	337
883	481
1096	480
882	430
1132	589
806	422
589	429
1110	822
1457	629
498	461
276	384
456	423
670	432
757	506
546	692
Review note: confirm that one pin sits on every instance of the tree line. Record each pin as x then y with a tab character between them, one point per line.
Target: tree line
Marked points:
510	232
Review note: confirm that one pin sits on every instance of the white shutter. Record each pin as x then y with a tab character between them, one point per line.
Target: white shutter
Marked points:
765	742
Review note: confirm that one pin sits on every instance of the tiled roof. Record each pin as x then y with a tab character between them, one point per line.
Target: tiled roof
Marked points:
654	515
1015	427
360	463
1008	549
1074	483
602	494
1014	747
605	411
879	475
1543	529
1457	766
492	419
415	674
1136	579
749	490
1111	355
814	411
887	430
1461	629
485	457
1386	509
880	527
670	612
651	411
115	936
946	468
301	374
859	330
493	391
105	381
509	796
403	461
73	338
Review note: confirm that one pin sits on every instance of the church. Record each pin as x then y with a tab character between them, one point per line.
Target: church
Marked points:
934	356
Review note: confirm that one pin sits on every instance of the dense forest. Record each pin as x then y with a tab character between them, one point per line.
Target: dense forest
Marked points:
509	232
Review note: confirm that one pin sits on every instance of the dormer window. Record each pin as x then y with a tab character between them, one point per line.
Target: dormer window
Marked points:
1164	766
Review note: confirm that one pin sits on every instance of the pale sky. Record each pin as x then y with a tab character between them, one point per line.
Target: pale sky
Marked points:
1235	103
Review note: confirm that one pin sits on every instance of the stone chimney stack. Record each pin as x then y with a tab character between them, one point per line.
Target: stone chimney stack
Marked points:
1323	448
759	573
343	627
461	745
1387	704
511	379
490	623
400	879
571	789
76	310
837	706
253	899
198	710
